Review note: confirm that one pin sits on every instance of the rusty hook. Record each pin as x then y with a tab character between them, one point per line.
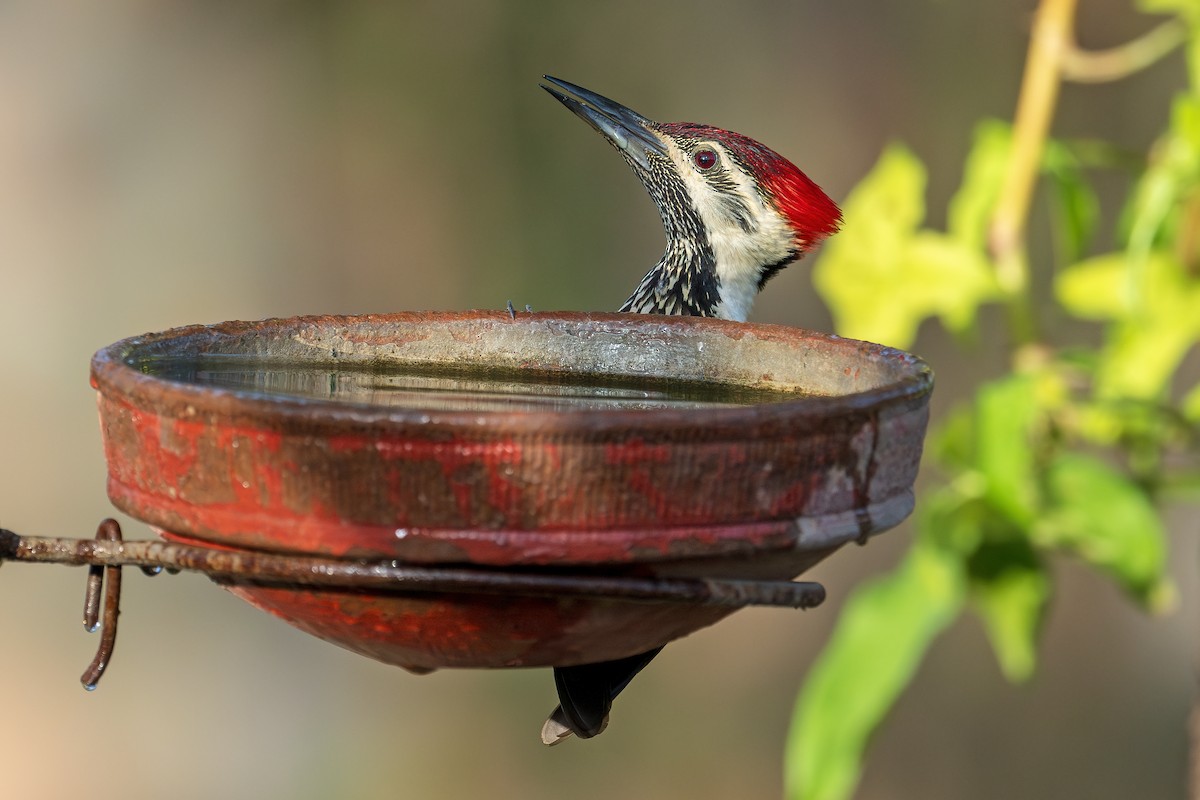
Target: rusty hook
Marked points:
107	580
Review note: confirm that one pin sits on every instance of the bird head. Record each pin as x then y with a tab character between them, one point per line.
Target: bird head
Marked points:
734	211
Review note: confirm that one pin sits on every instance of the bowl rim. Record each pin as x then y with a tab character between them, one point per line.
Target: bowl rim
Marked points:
112	375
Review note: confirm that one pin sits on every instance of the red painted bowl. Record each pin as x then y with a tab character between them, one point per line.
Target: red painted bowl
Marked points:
684	481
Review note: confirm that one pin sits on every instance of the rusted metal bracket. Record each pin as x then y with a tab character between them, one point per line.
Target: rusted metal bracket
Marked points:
107	553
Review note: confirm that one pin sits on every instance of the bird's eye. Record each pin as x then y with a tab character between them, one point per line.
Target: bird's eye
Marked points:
705	159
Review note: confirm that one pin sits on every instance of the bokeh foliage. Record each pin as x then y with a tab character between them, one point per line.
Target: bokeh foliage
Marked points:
1070	452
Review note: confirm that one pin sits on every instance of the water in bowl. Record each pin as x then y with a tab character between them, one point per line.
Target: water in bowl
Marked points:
453	388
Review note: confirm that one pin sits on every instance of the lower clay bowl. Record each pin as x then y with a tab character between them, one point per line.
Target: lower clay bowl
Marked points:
565	443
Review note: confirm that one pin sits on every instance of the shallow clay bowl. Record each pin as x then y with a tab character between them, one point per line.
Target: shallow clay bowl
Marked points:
757	491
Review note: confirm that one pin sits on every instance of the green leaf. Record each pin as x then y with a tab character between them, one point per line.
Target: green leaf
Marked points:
946	279
881	276
1157	311
1147	289
1101	516
1101	423
952	443
1191	404
881	637
1144	350
1139	360
1173	171
971	207
1076	205
1182	7
1097	288
861	264
1006	413
1010	590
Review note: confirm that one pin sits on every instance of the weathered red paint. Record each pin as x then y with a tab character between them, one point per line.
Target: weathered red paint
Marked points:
760	491
463	630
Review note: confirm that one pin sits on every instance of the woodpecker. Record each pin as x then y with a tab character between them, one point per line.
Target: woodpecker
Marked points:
735	213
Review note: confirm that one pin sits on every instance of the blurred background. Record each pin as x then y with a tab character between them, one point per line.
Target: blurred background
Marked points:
169	163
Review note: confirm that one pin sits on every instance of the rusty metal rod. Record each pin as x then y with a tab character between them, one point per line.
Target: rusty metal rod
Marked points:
107	577
268	568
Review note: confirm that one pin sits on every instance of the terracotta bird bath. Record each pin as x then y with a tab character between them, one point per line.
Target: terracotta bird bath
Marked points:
484	490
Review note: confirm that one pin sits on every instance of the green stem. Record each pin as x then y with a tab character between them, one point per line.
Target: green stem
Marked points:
1050	39
1053	57
1099	66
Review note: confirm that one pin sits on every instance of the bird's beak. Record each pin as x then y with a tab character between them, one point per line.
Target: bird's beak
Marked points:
629	131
